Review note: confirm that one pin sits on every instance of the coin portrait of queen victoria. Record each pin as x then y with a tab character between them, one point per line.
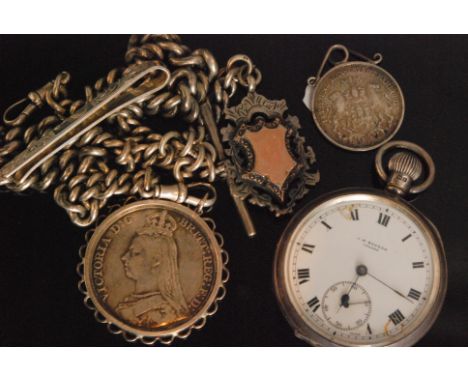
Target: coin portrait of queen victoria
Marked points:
151	262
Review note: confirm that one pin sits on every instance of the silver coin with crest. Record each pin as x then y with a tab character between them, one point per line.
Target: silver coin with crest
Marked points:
357	105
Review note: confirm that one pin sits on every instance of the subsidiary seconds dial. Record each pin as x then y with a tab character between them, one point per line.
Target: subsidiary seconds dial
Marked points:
346	305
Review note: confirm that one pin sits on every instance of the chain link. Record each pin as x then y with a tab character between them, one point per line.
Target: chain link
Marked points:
120	156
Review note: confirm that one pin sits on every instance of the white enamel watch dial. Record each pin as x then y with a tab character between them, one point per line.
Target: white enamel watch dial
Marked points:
360	268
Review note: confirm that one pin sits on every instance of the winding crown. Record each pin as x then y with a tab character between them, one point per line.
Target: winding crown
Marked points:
407	164
405	169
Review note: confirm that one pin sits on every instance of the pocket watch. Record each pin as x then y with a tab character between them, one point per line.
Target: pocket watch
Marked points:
362	267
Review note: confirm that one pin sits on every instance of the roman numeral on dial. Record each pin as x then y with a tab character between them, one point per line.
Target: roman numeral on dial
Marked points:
314	304
354	215
418	264
383	219
326	225
414	294
308	247
406	238
396	317
303	275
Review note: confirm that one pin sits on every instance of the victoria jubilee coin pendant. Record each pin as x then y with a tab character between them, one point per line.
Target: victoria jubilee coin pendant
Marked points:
362	267
356	105
153	270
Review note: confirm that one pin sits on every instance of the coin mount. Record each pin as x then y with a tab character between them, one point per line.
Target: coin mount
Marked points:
134	315
357	105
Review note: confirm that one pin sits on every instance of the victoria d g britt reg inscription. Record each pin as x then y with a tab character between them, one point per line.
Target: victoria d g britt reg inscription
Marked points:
153	268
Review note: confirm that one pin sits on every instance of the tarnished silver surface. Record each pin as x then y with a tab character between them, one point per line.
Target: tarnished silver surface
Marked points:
123	93
356	105
113	152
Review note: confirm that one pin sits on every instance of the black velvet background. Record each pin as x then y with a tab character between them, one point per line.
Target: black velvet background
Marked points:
39	302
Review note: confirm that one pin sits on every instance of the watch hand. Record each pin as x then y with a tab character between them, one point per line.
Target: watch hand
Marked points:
353	284
345	298
389	287
358	302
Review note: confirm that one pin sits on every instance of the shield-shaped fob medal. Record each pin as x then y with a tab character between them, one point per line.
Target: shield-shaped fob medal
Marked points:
270	165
